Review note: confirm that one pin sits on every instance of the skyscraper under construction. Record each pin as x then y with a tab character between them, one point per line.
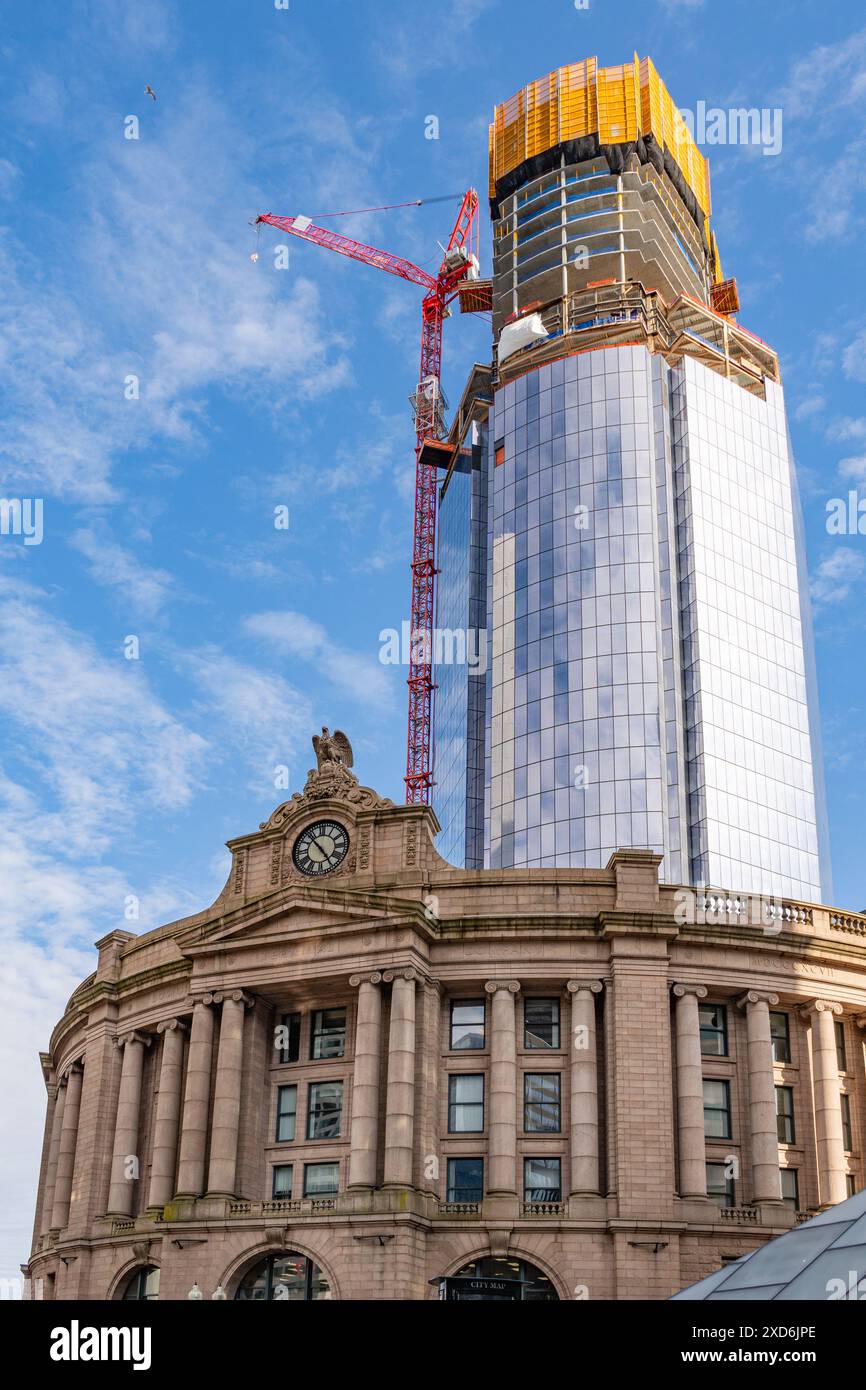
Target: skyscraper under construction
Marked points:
619	518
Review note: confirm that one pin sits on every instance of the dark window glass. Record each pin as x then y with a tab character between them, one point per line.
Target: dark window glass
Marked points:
851	1184
841	1053
285	1277
465	1104
541	1023
143	1285
465	1179
325	1110
790	1187
289	1038
328	1034
541	1102
785	1115
717	1109
467	1024
781	1037
714	1029
281	1182
847	1134
542	1181
287	1109
533	1285
321	1179
720	1184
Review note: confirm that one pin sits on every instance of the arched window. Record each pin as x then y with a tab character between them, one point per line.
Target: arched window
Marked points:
531	1284
284	1277
142	1283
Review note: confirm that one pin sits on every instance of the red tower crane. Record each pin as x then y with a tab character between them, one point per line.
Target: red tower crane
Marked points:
459	264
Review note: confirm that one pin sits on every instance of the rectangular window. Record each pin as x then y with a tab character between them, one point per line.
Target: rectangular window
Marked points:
281	1181
781	1037
720	1184
541	1023
465	1179
841	1054
847	1134
542	1180
499	453
321	1179
465	1104
541	1102
467	1024
325	1110
851	1183
328	1034
785	1115
790	1188
714	1029
289	1038
287	1109
717	1109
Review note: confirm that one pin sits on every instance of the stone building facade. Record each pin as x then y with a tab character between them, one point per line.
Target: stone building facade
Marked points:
358	1079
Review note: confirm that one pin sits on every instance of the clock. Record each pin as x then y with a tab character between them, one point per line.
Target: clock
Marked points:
320	848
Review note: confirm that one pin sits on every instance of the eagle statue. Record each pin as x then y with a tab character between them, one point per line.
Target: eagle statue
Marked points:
332	748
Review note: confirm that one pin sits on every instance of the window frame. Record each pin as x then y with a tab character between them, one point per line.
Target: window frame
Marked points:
465	1004
285	1196
315	1113
722	1032
775	1038
718	1109
729	1190
793	1202
455	1105
556	1024
841	1045
785	1116
281	1115
451	1188
316	1034
847	1122
322	1163
547	1159
542	1104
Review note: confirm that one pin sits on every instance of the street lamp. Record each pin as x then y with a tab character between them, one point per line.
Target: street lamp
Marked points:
195	1292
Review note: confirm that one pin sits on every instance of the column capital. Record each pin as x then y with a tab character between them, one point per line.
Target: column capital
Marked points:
576	986
133	1036
756	996
169	1025
860	1020
681	990
401	972
236	996
493	986
373	978
819	1006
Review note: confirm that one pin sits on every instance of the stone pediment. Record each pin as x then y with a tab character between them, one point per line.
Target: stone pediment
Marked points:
299	912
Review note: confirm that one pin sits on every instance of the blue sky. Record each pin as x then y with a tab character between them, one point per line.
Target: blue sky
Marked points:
261	388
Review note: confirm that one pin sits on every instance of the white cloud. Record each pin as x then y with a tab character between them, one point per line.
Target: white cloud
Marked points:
812	404
854	468
827	78
145	590
361	677
854	358
837	575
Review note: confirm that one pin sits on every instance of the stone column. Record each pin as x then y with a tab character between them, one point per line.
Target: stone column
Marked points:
66	1149
225	1124
502	1112
584	1087
196	1101
53	1152
363	1156
763	1130
828	1107
167	1118
690	1092
125	1162
400	1098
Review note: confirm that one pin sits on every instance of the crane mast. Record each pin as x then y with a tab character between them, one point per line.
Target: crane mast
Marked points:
459	263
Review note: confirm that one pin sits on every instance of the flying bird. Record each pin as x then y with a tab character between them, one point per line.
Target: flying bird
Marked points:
149	92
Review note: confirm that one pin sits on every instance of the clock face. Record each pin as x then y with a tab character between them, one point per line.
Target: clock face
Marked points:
320	848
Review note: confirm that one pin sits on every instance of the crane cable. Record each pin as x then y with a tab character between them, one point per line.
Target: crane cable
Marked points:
387	207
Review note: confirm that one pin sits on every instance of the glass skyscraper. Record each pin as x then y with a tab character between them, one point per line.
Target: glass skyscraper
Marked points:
620	523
